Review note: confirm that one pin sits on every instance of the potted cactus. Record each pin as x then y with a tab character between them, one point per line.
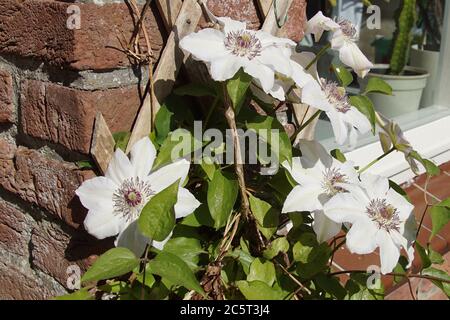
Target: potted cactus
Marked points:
407	82
426	47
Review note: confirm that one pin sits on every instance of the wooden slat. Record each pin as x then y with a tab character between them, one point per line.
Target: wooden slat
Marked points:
264	6
102	147
172	58
169	10
270	24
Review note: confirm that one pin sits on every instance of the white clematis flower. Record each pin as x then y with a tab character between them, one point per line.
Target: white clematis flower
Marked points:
319	177
347	122
115	201
226	51
378	216
320	23
344	40
283	84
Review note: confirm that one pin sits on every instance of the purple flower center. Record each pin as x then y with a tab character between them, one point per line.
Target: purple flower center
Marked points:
383	214
243	43
331	177
348	29
131	197
336	96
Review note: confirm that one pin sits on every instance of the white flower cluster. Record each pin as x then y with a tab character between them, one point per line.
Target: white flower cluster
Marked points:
378	217
276	67
333	192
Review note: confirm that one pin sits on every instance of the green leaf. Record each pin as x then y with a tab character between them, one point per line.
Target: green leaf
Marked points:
338	155
237	88
149	278
276	246
244	258
163	123
426	262
263	126
444	286
209	167
195	90
115	262
177	145
262	271
258	290
331	285
157	218
432	169
378	85
440	216
435	257
175	270
82	294
344	76
188	249
365	106
358	290
222	194
85	164
266	216
121	139
301	252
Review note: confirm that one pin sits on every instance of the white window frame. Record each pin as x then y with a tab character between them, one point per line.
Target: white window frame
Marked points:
431	140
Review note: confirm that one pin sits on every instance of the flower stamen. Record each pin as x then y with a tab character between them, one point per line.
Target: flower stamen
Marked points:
348	29
336	96
383	214
131	197
331	177
243	43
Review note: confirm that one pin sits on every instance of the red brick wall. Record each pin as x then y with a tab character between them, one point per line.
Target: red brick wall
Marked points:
53	80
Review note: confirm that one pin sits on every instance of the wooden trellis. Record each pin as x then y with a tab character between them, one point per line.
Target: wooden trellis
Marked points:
180	18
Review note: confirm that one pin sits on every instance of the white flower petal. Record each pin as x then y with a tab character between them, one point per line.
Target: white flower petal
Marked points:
205	45
303	198
404	208
345	207
299	75
361	238
389	252
348	168
324	227
272	57
262	73
340	128
103	223
120	168
143	154
310	176
313	95
353	57
168	175
226	67
268	40
186	203
401	241
160	244
97	193
358	120
230	25
376	186
318	24
131	238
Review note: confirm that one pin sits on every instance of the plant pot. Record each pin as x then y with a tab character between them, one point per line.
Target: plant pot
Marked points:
428	60
406	90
